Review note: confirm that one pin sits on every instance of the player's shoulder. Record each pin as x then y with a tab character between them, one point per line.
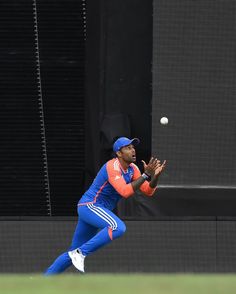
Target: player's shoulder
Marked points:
113	164
134	166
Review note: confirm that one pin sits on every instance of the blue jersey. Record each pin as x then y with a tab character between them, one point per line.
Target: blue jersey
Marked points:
112	183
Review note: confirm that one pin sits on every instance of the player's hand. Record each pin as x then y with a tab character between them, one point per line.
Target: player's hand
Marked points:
152	165
159	169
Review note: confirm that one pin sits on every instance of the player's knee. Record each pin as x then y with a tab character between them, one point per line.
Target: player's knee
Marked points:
121	229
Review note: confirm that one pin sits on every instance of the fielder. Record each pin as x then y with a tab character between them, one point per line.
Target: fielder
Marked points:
97	224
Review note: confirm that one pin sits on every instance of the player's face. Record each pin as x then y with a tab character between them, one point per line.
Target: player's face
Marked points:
128	153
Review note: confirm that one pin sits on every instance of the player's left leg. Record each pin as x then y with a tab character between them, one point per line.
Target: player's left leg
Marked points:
83	233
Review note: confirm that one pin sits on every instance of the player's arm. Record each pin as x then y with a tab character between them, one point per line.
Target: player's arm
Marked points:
117	181
149	170
149	188
145	187
159	169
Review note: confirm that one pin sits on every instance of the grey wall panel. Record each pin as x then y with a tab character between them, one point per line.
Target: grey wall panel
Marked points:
226	246
194	75
163	245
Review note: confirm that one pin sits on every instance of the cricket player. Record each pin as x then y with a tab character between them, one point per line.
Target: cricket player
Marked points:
97	224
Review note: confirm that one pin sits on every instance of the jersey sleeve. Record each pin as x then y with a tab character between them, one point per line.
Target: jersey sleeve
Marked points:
145	188
117	181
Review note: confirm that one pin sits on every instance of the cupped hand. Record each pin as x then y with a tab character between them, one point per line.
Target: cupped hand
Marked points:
151	167
159	169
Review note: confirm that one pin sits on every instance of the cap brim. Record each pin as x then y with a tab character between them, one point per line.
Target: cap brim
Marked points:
135	141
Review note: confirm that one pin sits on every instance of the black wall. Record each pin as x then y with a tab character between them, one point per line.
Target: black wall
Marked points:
21	152
42	45
62	57
119	54
65	99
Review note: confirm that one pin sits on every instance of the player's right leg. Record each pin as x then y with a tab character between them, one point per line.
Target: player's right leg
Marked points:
111	227
83	233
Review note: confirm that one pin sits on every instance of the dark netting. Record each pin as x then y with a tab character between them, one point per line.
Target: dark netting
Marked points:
194	79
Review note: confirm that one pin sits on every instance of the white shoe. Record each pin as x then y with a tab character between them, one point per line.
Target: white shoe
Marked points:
77	259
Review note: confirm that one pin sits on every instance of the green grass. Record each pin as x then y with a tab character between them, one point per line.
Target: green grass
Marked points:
118	284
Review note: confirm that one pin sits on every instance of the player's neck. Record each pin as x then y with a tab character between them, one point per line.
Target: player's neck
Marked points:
123	163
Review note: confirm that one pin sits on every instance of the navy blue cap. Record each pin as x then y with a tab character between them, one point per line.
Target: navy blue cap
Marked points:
123	141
